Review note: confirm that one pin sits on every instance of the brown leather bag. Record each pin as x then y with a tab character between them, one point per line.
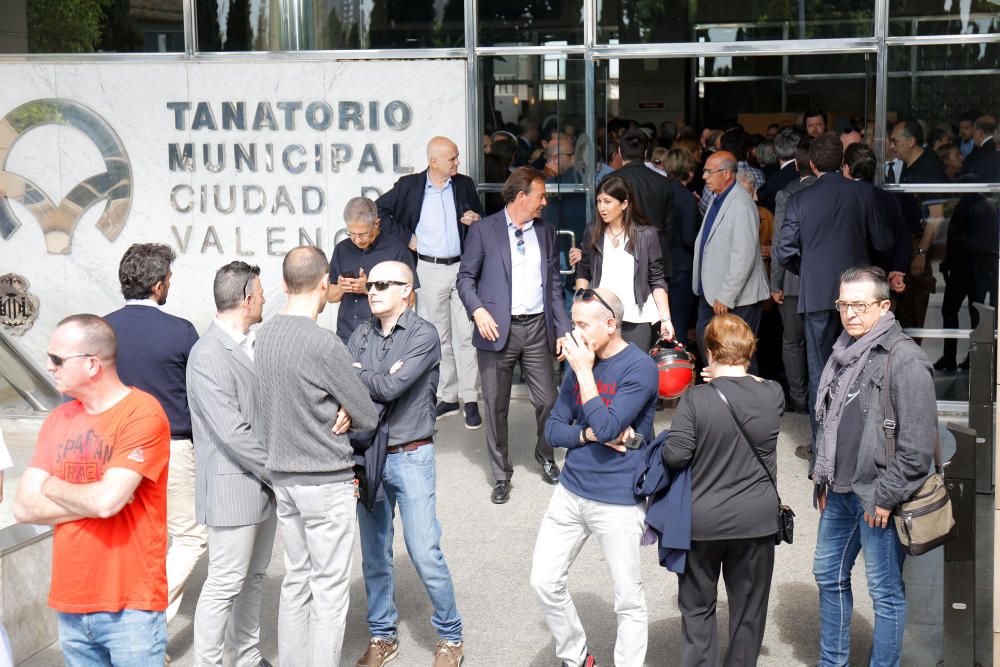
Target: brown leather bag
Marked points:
924	521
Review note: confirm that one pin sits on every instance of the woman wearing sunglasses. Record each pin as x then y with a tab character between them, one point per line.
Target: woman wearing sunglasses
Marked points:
621	252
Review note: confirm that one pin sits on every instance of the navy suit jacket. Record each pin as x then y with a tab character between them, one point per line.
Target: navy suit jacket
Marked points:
399	208
775	183
484	279
830	226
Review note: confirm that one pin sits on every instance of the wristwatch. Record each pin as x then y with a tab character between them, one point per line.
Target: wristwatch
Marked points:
919	251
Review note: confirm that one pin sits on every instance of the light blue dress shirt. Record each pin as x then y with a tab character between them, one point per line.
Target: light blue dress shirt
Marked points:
437	231
526	294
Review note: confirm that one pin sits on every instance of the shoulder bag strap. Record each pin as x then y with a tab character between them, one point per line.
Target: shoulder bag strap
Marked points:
889	413
746	439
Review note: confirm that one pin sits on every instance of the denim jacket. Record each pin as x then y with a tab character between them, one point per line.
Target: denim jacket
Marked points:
912	394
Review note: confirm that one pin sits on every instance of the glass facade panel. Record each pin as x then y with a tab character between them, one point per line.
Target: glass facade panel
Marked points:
531	22
91	26
941	17
631	22
294	25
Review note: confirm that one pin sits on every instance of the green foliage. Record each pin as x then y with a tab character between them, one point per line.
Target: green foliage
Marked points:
65	26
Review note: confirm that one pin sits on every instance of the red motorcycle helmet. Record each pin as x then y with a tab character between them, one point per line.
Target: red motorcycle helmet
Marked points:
675	368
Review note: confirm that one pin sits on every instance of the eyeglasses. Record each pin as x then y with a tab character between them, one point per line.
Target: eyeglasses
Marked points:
360	235
714	171
383	285
519	235
657	161
586	295
858	308
58	361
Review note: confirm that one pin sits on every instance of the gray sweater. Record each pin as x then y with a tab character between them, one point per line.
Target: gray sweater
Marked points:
303	375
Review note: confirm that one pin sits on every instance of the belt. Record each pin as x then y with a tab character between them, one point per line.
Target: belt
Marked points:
408	447
525	318
447	261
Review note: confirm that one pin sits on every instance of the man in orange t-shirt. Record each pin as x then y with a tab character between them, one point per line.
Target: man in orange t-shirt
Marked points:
99	476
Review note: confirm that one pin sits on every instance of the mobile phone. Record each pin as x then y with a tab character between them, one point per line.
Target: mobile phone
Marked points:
348	274
635	442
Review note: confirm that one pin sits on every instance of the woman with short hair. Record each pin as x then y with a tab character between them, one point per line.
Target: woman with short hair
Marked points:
621	252
734	504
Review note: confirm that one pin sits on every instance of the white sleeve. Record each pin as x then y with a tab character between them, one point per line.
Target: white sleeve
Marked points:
5	461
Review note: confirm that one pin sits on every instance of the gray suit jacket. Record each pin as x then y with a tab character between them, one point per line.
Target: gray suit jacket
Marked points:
781	279
732	270
231	481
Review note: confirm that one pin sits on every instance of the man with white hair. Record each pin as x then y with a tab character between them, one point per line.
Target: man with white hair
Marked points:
431	213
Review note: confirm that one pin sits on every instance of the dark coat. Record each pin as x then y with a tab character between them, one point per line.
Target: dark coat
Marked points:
830	226
668	513
399	208
687	221
984	163
484	279
648	273
655	200
775	183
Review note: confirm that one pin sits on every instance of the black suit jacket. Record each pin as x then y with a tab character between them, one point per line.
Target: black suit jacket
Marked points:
399	208
830	226
984	163
775	183
656	202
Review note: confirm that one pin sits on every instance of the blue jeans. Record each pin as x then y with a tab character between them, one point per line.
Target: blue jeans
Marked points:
842	533
408	481
127	638
821	329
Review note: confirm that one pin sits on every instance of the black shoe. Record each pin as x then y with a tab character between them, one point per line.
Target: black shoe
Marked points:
550	471
948	364
472	418
501	492
798	407
264	663
965	364
446	409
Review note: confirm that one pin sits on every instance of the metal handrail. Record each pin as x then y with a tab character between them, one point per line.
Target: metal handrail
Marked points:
30	382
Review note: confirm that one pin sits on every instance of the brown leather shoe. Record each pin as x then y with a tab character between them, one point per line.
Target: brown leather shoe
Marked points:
448	654
380	651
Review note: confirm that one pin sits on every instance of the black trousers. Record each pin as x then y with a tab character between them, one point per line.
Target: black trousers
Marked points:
746	565
527	344
639	334
750	314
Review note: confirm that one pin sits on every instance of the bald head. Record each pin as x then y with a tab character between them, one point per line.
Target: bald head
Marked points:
391	271
88	334
720	171
304	268
442	158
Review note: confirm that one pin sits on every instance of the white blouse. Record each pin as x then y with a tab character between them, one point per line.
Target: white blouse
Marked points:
618	274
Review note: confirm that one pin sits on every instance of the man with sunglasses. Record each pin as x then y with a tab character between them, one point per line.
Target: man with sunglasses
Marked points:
397	354
153	349
352	259
233	496
607	401
99	475
509	283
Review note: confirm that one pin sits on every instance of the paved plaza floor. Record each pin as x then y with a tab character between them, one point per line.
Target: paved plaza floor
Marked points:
489	547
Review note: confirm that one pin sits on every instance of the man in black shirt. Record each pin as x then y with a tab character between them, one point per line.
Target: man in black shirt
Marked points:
920	212
354	257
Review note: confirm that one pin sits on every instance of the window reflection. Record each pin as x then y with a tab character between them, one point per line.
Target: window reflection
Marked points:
942	17
505	22
271	25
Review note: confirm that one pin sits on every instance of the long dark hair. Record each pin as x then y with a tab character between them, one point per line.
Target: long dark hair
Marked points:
618	188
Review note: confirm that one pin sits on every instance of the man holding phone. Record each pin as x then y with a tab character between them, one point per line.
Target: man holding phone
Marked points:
364	247
604	413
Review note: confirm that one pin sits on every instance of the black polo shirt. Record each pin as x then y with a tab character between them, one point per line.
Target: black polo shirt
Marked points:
925	169
354	309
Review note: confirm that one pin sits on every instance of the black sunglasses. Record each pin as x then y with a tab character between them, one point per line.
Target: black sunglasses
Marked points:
58	361
383	285
587	295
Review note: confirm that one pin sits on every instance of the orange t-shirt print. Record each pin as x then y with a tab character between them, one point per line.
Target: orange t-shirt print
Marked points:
120	562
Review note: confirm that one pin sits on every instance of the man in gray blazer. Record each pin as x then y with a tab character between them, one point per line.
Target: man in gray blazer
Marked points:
233	496
728	267
785	292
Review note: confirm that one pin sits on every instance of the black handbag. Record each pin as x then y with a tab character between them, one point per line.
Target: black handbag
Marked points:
786	517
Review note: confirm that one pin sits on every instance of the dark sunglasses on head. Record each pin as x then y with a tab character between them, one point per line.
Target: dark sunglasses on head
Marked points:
587	295
383	285
59	361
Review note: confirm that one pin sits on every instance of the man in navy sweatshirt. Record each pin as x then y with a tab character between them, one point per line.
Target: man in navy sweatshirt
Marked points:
153	349
606	404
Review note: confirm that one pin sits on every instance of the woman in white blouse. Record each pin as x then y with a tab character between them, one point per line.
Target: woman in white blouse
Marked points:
621	252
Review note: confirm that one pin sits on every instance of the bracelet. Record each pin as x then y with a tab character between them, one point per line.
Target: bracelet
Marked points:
919	251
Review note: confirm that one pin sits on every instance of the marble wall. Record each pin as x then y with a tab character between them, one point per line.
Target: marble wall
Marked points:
133	100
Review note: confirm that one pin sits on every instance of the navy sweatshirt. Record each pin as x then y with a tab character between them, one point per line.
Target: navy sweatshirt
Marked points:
627	384
153	349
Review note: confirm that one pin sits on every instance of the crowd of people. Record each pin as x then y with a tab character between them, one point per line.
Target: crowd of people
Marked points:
175	443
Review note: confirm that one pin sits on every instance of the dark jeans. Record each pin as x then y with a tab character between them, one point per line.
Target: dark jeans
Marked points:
749	314
683	305
821	328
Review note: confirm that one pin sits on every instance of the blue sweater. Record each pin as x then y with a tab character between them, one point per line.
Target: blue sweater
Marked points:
153	349
627	384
